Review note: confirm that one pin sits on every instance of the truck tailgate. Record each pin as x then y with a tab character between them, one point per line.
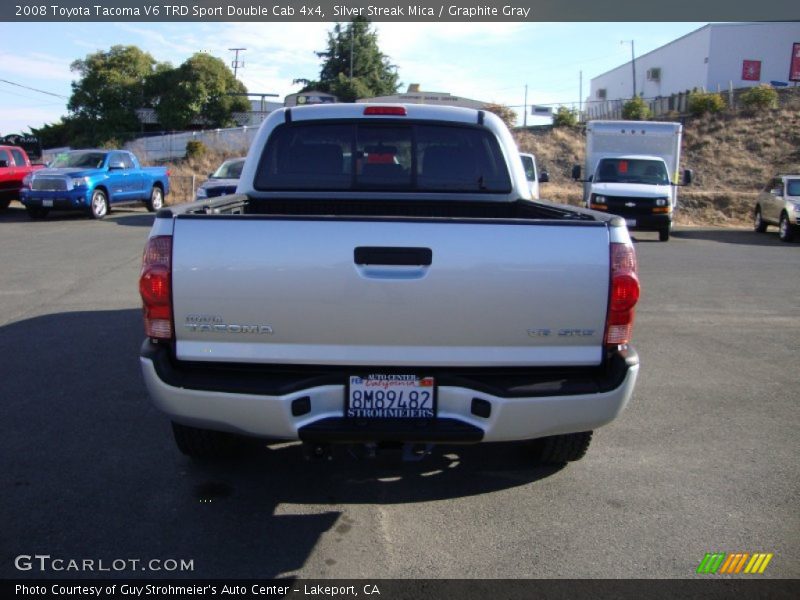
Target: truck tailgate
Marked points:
399	292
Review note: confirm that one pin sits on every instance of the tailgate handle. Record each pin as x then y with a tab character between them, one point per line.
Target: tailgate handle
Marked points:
393	256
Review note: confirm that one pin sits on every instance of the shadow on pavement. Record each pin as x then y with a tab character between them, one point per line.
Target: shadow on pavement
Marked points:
138	219
14	213
121	215
730	236
89	468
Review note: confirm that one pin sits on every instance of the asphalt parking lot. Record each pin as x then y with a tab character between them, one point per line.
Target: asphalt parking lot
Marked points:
705	459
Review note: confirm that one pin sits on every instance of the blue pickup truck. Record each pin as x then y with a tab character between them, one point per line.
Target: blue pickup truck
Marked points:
93	181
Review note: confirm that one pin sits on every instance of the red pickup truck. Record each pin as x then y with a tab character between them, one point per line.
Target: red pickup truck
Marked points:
14	166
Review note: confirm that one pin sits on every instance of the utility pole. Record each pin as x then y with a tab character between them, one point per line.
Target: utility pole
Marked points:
580	96
633	65
525	117
235	63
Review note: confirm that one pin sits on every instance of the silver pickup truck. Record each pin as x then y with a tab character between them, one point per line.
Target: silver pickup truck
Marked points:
381	277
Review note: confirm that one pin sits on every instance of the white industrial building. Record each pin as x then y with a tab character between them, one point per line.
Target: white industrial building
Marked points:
716	57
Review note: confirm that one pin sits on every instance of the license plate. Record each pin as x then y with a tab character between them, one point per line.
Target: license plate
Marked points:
384	396
47	203
630	222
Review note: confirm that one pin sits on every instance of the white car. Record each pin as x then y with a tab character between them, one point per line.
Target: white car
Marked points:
779	204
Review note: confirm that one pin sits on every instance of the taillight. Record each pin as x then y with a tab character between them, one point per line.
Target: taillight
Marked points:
155	287
623	296
397	111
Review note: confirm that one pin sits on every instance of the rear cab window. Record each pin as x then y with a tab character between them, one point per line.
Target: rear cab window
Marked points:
407	156
19	159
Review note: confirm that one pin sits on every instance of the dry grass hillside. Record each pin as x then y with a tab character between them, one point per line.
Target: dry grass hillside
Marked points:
732	157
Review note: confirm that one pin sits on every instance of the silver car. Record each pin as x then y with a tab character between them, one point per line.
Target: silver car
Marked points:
779	204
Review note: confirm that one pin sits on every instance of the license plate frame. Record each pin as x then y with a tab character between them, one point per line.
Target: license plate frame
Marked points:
402	396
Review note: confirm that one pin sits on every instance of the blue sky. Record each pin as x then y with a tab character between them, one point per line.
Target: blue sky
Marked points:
483	61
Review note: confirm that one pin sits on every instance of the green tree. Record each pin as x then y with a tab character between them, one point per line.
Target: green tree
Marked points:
507	114
54	135
353	65
203	88
759	98
105	98
348	89
565	117
701	103
635	109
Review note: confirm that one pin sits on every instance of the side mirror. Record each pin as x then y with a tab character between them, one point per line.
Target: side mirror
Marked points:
116	165
688	175
576	172
544	177
3	163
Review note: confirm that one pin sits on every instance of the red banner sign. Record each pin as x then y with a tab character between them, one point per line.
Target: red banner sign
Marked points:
794	68
751	70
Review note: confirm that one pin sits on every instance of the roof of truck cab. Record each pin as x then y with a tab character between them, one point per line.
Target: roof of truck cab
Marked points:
353	111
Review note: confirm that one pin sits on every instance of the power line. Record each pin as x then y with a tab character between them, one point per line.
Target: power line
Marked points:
34	89
35	105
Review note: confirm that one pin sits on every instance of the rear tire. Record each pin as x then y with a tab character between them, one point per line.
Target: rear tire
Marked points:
4	204
663	234
205	444
785	229
759	225
37	213
156	200
559	449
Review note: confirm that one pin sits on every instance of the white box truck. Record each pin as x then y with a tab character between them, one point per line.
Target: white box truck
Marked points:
632	171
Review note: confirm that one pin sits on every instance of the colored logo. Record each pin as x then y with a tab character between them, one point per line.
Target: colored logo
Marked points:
721	563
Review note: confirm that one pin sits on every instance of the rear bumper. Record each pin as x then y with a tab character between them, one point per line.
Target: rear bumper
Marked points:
260	401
